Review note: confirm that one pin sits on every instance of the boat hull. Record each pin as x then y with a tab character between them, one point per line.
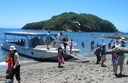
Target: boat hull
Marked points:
42	55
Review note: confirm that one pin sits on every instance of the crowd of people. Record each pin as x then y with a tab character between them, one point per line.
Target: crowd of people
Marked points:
117	56
100	52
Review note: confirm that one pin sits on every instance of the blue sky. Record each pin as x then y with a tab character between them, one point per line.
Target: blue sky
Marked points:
16	13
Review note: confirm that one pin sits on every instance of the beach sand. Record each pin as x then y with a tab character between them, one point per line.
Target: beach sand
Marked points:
73	72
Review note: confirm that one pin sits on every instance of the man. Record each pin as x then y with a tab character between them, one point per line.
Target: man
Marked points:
65	40
48	39
120	58
61	36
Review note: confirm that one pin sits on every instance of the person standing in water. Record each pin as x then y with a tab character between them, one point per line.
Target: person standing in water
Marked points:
82	44
92	45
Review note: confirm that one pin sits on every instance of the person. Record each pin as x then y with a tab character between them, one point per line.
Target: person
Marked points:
41	42
10	63
103	55
16	65
92	45
109	44
53	42
71	44
56	41
82	44
97	44
127	62
65	40
61	36
48	39
60	57
120	59
97	53
114	57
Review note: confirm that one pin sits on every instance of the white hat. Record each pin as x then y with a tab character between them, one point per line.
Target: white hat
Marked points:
104	44
12	48
123	39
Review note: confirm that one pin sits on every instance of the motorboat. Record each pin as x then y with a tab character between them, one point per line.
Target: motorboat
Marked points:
31	44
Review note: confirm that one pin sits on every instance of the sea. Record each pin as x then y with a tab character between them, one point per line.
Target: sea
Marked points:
78	38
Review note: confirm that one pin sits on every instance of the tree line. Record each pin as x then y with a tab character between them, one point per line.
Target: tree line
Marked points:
70	21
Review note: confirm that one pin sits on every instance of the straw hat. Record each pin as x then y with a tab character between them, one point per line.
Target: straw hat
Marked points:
12	48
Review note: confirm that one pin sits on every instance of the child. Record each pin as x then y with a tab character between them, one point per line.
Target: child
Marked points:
60	58
10	63
71	44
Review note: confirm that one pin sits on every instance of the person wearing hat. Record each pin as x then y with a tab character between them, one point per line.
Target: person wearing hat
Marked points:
119	57
16	65
123	42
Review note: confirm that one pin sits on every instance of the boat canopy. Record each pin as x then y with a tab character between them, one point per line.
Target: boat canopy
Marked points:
26	39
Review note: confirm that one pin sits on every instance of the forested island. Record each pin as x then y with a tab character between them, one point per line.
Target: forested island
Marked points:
70	21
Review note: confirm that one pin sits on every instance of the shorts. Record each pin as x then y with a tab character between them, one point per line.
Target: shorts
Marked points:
121	59
115	62
8	71
48	42
103	56
16	72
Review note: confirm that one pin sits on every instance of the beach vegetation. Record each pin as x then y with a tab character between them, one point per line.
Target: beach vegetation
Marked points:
70	21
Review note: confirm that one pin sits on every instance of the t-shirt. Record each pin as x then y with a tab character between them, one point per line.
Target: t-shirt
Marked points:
103	51
9	61
48	37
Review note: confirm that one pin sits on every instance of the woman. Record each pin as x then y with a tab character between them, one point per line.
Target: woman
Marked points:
60	58
97	53
16	65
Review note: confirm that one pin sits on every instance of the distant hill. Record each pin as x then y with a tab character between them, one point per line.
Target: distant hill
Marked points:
73	22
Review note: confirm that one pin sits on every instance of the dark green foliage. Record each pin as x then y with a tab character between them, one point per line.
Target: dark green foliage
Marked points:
74	22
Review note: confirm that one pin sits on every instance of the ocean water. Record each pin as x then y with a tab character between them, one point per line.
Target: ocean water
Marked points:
78	37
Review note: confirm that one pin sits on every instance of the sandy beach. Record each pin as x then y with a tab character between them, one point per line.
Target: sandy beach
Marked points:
73	72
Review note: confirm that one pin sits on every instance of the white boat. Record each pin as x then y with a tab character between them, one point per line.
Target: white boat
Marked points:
31	44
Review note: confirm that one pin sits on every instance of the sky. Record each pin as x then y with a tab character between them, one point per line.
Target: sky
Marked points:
17	13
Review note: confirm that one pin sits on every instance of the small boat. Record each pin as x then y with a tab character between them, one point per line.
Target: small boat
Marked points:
31	44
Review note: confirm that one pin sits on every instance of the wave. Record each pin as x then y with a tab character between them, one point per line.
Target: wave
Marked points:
3	65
